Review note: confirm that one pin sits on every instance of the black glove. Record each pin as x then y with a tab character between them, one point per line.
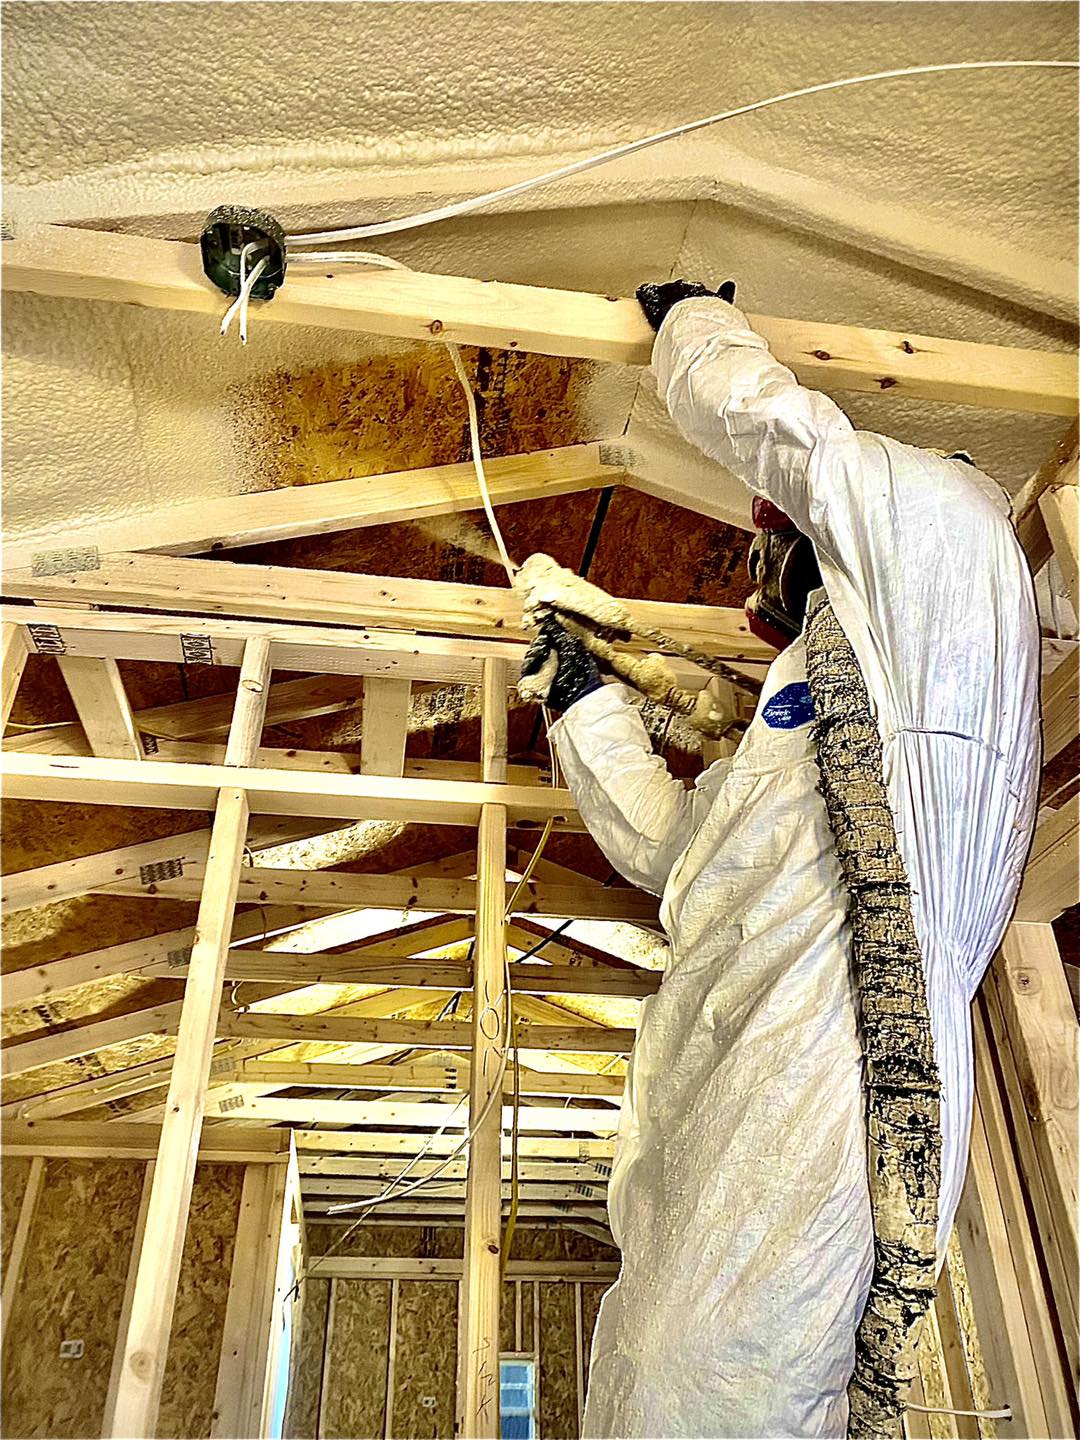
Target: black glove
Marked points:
557	669
657	300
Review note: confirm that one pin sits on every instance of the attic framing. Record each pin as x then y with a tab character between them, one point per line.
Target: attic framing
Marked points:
391	635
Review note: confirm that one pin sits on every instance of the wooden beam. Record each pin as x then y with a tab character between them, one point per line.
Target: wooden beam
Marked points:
97	691
154	1297
340	890
420	1114
1061	705
14	651
279	792
276	592
379	1267
20	1240
77	1140
1052	875
278	967
341	762
64	879
1025	1256
1060	508
428	1077
384	726
169	948
387	1142
415	1034
1031	988
333	505
341	655
1059	467
342	1191
58	1045
163	274
478	1325
117	1367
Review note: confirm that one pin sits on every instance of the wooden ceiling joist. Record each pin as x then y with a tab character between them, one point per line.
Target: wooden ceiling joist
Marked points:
428	1077
275	592
162	274
388	1142
423	1115
280	792
414	1034
322	889
71	1140
526	979
333	505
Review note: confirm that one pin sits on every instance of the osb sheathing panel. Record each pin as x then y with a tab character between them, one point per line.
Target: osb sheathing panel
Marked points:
425	1359
306	1373
558	1352
13	1176
413	1241
354	1399
187	1395
74	1277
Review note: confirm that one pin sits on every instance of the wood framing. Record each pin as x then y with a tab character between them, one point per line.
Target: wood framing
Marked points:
20	1240
1059	468
100	1140
384	726
378	1267
428	1077
130	269
333	505
275	592
14	650
1061	704
1060	507
1052	876
139	1389
97	691
321	889
478	1322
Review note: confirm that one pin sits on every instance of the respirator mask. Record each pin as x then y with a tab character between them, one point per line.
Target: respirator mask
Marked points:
783	566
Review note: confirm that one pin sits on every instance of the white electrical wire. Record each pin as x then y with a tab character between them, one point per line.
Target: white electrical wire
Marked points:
578	167
247	284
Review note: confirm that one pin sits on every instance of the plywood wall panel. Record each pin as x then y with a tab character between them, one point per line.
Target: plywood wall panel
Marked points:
425	1360
353	1403
558	1351
75	1271
305	1380
187	1394
13	1176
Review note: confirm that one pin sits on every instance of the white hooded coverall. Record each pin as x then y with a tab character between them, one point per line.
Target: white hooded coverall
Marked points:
739	1195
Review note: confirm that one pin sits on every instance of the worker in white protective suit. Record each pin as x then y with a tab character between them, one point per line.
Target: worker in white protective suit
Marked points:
739	1195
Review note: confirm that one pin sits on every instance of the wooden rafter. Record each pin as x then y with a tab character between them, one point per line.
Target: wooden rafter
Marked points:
97	265
333	505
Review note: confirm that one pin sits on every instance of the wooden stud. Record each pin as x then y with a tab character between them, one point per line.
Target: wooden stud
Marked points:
478	1335
1059	468
1060	508
579	1356
1061	704
240	1337
125	1308
1038	1014
334	505
391	1361
1011	1366
1022	1246
154	1297
13	657
20	1240
133	269
1052	874
384	726
97	691
328	1346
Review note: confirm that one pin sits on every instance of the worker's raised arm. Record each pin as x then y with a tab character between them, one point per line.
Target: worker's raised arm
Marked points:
731	399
